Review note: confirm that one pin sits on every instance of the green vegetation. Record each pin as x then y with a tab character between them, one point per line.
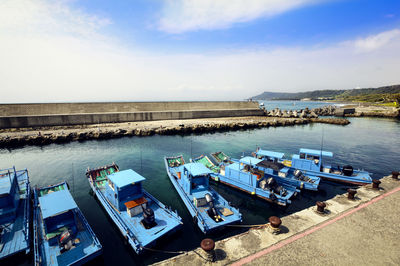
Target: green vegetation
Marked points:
388	95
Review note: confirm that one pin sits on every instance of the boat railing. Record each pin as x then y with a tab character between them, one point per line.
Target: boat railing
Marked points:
36	229
123	224
184	195
26	211
159	203
88	228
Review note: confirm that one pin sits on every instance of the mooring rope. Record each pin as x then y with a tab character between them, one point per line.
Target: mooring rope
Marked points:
247	225
165	251
174	252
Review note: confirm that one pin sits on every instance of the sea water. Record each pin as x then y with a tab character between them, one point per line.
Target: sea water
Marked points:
367	143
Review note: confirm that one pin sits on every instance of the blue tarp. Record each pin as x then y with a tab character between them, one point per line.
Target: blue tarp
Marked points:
56	202
316	152
196	169
250	160
125	177
273	154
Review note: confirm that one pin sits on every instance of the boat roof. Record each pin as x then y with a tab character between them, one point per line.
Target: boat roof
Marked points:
56	202
196	169
5	184
317	152
273	154
125	177
250	160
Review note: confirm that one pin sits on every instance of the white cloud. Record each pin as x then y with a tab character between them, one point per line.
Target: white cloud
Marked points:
180	16
377	41
73	60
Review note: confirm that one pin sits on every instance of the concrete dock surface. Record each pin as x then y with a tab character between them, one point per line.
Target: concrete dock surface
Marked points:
364	231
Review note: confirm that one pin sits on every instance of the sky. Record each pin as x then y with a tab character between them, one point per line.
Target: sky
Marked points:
175	50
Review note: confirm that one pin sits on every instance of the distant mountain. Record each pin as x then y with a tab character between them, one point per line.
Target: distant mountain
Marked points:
379	94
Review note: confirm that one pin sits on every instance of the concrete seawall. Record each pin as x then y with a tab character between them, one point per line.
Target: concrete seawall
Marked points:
64	114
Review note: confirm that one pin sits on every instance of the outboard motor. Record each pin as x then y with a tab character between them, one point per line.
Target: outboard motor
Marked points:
280	190
212	212
297	173
149	219
66	241
271	183
348	170
65	237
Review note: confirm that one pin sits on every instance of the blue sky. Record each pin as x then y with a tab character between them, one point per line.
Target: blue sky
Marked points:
81	50
316	24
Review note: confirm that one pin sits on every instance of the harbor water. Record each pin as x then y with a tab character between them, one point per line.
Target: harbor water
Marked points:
368	143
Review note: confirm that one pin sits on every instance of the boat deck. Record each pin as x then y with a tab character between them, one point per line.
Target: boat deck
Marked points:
85	247
220	204
15	236
165	221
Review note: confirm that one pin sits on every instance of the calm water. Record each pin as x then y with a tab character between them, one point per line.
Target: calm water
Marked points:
372	144
294	105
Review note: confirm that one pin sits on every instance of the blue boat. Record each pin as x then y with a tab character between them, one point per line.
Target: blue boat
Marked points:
273	164
62	236
311	161
14	212
203	159
140	217
210	211
243	175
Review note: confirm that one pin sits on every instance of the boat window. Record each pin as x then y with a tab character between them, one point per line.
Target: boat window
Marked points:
302	155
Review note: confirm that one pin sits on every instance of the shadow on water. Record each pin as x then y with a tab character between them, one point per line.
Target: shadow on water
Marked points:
371	144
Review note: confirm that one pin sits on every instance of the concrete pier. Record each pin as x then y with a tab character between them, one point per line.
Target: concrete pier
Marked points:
363	231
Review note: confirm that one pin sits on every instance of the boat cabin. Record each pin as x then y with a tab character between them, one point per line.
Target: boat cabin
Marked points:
57	207
244	171
195	178
311	160
9	196
124	192
269	155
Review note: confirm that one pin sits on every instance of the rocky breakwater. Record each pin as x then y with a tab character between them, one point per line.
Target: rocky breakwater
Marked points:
10	138
303	113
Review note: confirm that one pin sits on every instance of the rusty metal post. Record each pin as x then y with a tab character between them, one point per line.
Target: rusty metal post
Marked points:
274	225
375	183
321	206
395	175
351	193
208	245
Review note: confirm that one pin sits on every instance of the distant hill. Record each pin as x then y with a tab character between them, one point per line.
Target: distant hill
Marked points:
381	94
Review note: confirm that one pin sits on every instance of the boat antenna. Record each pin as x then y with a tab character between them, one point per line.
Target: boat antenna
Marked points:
141	161
73	179
322	144
191	139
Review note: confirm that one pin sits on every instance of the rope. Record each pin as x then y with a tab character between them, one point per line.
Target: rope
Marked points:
165	251
247	225
175	252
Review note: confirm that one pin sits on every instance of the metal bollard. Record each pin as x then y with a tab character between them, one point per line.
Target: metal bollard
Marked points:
375	184
321	206
274	225
351	193
208	245
395	175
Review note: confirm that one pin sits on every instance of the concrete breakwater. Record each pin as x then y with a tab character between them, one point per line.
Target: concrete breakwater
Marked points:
61	134
66	114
